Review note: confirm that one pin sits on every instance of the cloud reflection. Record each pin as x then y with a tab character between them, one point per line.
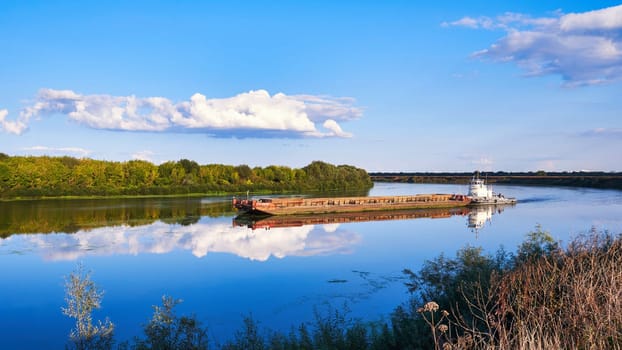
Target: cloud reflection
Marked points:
200	239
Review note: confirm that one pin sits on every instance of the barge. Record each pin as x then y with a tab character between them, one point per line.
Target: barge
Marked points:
298	206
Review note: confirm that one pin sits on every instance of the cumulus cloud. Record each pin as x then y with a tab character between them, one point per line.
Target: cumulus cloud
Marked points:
13	127
605	19
143	155
583	48
604	132
254	113
335	129
81	152
470	22
319	108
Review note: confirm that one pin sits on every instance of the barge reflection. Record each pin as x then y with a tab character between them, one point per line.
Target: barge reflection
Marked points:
254	222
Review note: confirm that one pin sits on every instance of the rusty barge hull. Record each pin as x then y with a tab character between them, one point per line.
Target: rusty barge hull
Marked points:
298	206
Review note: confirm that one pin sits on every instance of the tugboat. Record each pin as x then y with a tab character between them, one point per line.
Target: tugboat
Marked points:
481	194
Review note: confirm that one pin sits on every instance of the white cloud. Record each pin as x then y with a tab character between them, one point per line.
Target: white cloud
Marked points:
81	152
582	48
254	113
12	127
335	129
470	22
143	155
604	19
604	132
318	108
465	22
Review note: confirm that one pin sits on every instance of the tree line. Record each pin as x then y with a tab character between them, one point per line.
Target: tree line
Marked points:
45	176
593	179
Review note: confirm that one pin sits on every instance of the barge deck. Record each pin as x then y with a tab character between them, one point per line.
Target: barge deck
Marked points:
297	206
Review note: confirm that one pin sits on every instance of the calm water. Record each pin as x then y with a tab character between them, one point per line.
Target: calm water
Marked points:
139	250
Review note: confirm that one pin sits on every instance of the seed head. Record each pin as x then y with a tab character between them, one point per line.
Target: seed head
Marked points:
430	306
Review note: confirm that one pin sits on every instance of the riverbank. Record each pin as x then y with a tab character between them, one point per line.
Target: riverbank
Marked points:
600	180
66	177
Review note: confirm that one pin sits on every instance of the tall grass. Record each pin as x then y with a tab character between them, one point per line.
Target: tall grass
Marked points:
555	298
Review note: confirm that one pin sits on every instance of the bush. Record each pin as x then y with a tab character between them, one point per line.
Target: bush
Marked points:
167	331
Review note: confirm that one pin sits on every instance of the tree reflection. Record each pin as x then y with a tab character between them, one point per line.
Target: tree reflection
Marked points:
70	216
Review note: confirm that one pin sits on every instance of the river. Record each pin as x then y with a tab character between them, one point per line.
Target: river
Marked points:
278	272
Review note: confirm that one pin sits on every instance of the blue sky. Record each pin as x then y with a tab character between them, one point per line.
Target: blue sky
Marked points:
387	86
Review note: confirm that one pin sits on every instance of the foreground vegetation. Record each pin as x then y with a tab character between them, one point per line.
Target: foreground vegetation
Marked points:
35	177
544	296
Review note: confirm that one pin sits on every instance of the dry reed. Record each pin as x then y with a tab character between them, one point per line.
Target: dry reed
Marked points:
565	299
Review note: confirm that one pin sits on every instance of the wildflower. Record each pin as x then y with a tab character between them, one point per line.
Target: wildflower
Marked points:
443	328
445	313
430	306
447	346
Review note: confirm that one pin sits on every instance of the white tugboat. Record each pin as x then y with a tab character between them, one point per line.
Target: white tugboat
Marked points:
482	194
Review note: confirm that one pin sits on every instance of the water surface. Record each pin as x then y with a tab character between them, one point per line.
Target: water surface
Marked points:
280	272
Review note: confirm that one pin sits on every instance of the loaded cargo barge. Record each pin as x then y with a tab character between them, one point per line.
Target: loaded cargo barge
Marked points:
297	206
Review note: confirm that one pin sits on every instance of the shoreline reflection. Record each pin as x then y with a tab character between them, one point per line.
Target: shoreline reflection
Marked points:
251	238
69	216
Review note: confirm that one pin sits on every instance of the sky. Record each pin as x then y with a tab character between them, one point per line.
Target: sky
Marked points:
383	85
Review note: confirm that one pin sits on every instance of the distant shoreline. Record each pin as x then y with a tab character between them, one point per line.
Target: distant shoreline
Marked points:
601	180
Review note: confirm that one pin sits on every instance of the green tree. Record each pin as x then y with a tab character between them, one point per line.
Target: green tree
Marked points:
191	171
5	173
140	173
244	171
539	243
167	331
248	338
62	176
